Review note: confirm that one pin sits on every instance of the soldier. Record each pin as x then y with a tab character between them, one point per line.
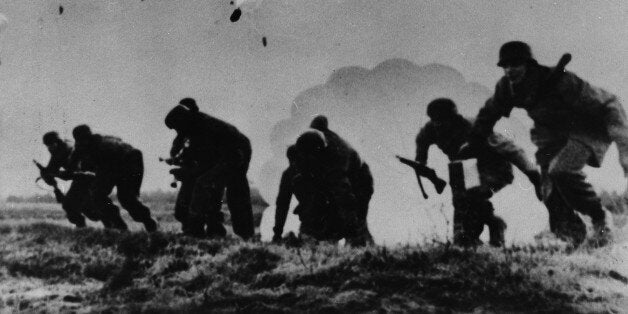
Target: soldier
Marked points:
359	174
223	155
473	209
186	171
574	124
285	193
329	208
76	203
117	164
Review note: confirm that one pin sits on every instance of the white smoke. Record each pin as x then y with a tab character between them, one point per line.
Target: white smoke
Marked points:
380	111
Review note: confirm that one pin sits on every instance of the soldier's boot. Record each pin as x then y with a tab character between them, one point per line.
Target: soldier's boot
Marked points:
601	232
195	228
77	219
497	228
150	225
572	229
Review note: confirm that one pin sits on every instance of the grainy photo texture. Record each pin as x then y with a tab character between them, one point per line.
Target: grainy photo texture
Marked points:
313	156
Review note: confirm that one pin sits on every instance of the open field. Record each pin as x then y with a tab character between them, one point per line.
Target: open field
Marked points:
46	265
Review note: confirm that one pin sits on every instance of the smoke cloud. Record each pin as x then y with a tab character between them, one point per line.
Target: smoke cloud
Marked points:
380	111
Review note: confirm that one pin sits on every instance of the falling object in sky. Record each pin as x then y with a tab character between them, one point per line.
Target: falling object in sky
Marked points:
60	9
235	16
264	41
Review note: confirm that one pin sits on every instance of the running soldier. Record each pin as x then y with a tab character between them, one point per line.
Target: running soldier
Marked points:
77	202
473	208
117	164
574	124
223	155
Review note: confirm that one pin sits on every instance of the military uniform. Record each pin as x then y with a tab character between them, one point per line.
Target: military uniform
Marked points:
76	203
328	199
574	124
473	209
117	164
223	155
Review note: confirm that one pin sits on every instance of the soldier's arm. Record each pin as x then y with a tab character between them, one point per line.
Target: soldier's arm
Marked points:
493	110
177	145
73	166
423	142
283	201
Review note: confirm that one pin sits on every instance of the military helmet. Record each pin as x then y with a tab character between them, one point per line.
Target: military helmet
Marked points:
82	132
178	117
51	137
311	142
515	53
291	153
319	123
189	103
440	108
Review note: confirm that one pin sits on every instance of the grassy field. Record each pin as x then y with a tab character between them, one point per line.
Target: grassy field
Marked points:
46	265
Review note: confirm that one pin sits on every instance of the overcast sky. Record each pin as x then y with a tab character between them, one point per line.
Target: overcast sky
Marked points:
120	65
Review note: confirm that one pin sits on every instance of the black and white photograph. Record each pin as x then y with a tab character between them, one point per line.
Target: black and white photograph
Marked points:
313	156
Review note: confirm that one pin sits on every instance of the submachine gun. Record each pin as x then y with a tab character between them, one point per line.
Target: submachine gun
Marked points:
50	180
422	170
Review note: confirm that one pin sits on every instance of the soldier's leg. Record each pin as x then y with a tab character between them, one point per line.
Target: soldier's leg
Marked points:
182	204
568	181
363	190
213	216
72	203
129	186
109	213
563	221
205	205
343	198
303	189
479	213
496	225
239	201
461	216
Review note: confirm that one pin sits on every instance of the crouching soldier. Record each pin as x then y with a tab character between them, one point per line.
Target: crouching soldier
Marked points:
223	155
358	172
77	202
574	125
328	206
117	164
473	209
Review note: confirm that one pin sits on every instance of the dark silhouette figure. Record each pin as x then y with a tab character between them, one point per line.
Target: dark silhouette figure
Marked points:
223	155
116	164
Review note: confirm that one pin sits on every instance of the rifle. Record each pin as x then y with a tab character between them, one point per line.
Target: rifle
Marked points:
422	170
553	77
50	180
